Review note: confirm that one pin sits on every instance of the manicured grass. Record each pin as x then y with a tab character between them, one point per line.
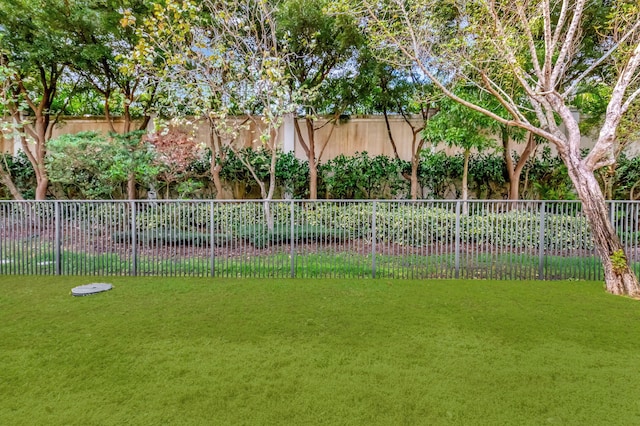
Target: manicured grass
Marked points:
221	351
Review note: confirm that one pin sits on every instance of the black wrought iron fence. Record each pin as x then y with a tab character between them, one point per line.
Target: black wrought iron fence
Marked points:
395	239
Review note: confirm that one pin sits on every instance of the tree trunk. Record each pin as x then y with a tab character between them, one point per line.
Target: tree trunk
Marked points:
465	179
619	277
41	188
215	144
608	175
415	153
390	134
107	111
415	162
272	186
313	166
127	118
514	172
313	179
514	186
131	186
632	191
217	182
6	180
42	177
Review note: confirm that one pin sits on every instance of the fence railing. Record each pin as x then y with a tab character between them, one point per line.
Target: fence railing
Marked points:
395	239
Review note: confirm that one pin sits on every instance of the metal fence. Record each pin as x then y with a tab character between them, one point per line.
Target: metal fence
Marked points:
344	239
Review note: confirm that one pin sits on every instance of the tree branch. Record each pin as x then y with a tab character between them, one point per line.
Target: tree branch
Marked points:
599	61
568	45
524	23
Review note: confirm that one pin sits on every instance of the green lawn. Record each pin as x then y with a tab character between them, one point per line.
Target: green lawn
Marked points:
237	351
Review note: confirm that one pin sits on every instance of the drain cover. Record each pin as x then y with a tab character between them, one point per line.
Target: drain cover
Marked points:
87	289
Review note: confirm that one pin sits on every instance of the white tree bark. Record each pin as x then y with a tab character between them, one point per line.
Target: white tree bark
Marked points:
497	50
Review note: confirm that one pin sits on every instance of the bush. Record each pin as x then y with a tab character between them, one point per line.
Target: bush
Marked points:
627	178
548	177
488	174
438	172
233	170
177	157
260	236
171	237
89	166
410	224
363	177
292	175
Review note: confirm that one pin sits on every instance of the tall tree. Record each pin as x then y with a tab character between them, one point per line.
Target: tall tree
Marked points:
591	101
34	50
6	125
191	70
539	43
319	46
100	43
223	58
393	88
459	126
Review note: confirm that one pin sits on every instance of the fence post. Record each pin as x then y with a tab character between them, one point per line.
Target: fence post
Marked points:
57	238
134	240
541	243
457	241
374	237
612	214
293	241
212	238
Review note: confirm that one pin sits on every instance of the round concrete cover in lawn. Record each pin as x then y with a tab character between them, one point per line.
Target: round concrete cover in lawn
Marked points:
93	288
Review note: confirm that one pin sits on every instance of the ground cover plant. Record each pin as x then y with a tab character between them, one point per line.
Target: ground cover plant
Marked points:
252	351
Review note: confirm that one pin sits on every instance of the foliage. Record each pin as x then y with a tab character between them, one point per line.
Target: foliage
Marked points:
183	165
260	236
627	178
219	58
458	125
77	101
405	224
438	172
619	261
539	47
80	165
22	174
101	43
90	166
33	56
292	175
134	156
175	155
234	166
319	46
487	172
362	176
549	177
